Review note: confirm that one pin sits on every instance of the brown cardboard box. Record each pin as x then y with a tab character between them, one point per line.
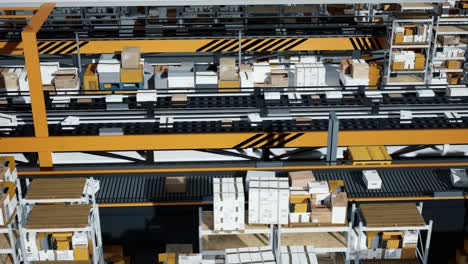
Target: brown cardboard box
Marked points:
410	30
461	257
131	57
128	75
113	251
63	240
64	79
399	38
449	39
409	251
227	69
229	86
359	69
321	216
81	253
279	78
453	64
176	184
345	66
179	99
419	61
339	199
301	207
9	78
245	68
299	179
320	200
398	65
335	184
298	198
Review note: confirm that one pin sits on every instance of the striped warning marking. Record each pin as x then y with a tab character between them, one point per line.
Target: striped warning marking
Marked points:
366	43
59	47
231	45
270	140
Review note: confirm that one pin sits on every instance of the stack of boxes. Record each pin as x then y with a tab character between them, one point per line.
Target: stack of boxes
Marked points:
308	74
68	246
132	70
257	255
408	60
375	74
409	34
387	245
228	204
354	72
268	200
316	202
8	198
228	77
298	254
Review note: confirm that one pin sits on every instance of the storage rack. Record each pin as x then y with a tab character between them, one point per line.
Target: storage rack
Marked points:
411	225
251	236
67	205
408	77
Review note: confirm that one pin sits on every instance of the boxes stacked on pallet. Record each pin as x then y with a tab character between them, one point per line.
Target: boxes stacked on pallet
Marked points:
268	200
386	245
297	254
258	255
228	204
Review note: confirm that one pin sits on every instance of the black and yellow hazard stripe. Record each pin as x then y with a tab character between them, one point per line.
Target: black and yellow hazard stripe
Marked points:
366	43
269	140
251	44
59	47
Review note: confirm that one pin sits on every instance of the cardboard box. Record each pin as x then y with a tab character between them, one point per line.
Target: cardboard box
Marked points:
453	64
8	202
298	197
335	184
131	58
176	184
301	207
228	204
359	69
46	255
448	39
375	253
81	253
63	240
320	200
131	75
394	253
409	251
64	79
64	255
345	66
318	187
373	239
399	38
227	69
339	203
179	99
372	179
229	86
9	78
300	179
419	61
321	216
279	78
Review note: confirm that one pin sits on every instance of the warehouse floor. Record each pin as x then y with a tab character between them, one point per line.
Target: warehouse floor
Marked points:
144	231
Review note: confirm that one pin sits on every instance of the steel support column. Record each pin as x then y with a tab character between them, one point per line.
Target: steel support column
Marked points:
332	146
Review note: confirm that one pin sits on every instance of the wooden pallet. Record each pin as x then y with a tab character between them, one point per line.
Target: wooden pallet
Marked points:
314	225
391	215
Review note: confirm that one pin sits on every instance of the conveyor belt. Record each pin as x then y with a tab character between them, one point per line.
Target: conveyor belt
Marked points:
407	182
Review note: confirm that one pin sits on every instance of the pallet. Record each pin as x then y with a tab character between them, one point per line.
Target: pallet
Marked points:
314	225
391	215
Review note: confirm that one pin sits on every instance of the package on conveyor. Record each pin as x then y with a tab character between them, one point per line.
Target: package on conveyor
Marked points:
228	77
66	78
354	72
9	78
176	184
182	76
308	74
131	57
228	204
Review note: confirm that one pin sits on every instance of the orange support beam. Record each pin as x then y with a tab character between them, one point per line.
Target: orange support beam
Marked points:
31	59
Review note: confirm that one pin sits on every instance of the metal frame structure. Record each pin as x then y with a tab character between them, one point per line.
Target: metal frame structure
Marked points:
422	250
93	229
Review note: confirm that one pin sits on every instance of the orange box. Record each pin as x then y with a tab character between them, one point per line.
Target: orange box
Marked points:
131	75
81	253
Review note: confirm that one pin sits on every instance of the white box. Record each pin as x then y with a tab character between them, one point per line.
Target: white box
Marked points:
319	197
260	72
318	187
339	215
333	95
64	254
146	96
410	237
425	93
456	91
372	179
79	239
392	253
45	255
189	259
272	96
375	253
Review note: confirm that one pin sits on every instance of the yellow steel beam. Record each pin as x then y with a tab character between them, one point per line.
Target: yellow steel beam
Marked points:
231	140
31	59
206	45
88	171
18	8
15	16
